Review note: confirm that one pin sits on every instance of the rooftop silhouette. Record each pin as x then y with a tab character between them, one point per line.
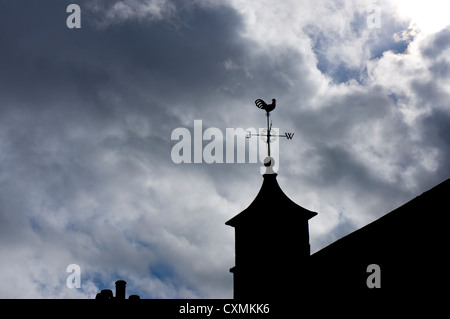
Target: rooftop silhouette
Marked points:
403	251
106	294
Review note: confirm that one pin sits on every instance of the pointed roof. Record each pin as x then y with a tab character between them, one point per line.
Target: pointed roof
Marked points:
271	203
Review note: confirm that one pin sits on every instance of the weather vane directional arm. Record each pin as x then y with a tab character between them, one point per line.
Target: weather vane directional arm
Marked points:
270	136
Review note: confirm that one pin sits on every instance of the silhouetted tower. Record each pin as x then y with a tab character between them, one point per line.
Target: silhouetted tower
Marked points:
271	235
271	243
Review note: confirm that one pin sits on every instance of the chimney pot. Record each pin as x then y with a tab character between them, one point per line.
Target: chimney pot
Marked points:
120	289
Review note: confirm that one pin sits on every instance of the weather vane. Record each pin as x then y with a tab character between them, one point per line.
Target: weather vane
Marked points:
268	133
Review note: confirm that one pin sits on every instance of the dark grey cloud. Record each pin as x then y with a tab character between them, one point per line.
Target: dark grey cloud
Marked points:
84	113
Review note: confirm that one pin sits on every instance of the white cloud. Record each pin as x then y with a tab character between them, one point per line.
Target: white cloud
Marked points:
429	16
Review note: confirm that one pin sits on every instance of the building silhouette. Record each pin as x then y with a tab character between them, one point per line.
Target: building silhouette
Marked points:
408	244
272	243
400	253
106	294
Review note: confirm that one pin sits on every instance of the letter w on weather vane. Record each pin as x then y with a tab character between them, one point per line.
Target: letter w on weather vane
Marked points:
268	134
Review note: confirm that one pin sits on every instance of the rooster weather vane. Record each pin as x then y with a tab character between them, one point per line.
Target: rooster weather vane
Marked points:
268	134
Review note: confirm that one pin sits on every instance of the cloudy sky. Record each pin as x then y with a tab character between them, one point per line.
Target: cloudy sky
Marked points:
86	117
